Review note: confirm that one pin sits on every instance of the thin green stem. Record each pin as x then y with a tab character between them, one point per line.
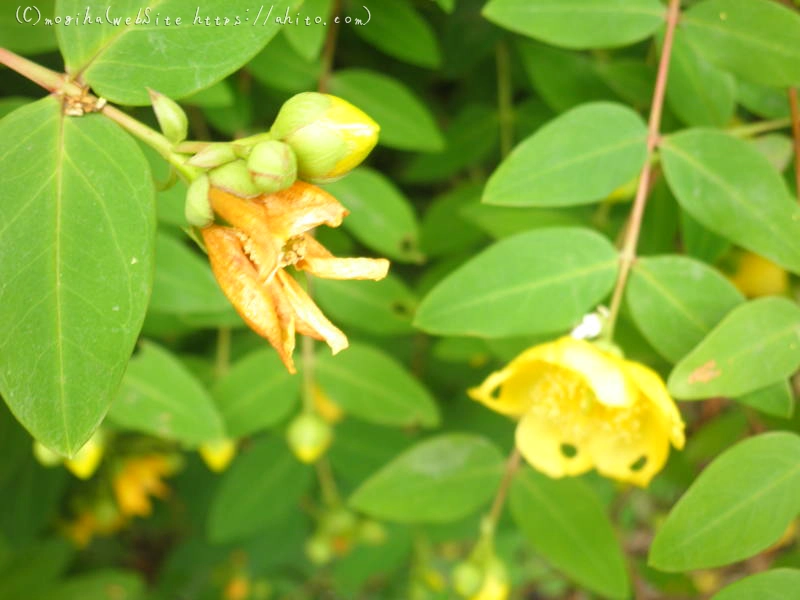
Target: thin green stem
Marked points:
223	357
754	129
492	518
505	102
327	482
628	252
50	80
329	50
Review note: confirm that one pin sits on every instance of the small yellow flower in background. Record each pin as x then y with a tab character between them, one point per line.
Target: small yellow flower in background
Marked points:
325	407
495	583
756	276
218	454
268	234
103	520
580	407
140	478
88	458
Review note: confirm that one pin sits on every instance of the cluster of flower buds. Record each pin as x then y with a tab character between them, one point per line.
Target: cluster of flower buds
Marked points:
338	531
316	137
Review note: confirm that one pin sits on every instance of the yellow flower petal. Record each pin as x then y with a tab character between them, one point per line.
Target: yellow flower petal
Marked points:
88	458
513	398
654	390
756	276
300	208
218	454
321	263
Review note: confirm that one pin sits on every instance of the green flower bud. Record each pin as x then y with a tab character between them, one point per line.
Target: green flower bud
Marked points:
272	165
213	155
319	550
329	135
339	522
467	578
197	207
235	179
309	436
372	533
171	118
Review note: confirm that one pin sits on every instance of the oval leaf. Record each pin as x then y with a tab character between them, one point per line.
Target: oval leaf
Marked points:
731	188
578	158
76	259
160	396
538	282
755	39
256	393
372	386
120	60
778	583
740	505
261	486
381	217
579	24
675	301
755	345
441	479
776	400
406	123
565	522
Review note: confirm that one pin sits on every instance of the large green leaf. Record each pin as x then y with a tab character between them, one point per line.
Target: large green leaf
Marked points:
256	393
383	307
776	400
579	23
399	30
373	386
580	157
296	73
76	256
740	505
755	345
538	282
33	568
160	396
22	28
755	39
308	41
381	217
99	584
675	301
565	522
731	188
441	479
120	60
770	585
406	123
262	485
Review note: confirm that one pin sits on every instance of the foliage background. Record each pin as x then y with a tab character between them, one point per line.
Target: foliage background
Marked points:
454	85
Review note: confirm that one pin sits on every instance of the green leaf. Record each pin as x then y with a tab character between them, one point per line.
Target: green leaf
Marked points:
675	301
406	123
307	41
731	188
183	282
33	568
762	100
538	282
776	400
444	478
755	345
296	73
579	24
76	246
31	36
120	61
738	506
381	217
262	485
444	229
256	393
565	522
398	30
698	93
100	584
699	242
755	39
775	584
160	396
578	158
504	221
372	386
383	307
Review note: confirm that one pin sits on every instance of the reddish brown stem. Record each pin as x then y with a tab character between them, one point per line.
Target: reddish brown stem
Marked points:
628	252
794	106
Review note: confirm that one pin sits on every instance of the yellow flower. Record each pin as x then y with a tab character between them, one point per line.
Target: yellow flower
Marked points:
325	407
756	276
88	458
99	520
218	454
495	583
269	233
138	479
580	407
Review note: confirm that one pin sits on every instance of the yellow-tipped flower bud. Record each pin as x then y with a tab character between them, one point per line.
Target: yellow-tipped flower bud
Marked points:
309	436
272	165
234	178
171	118
319	550
45	456
756	276
218	454
198	207
329	135
372	533
495	582
213	155
86	461
467	578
